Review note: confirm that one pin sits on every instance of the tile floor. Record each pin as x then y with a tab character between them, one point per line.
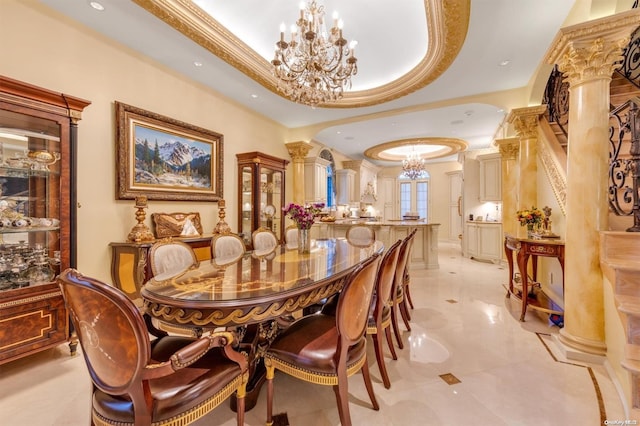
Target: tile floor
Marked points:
510	373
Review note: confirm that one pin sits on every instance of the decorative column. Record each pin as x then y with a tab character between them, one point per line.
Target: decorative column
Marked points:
586	54
298	151
525	123
509	151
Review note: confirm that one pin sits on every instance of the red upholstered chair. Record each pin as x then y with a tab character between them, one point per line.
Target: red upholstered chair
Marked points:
380	317
168	381
327	349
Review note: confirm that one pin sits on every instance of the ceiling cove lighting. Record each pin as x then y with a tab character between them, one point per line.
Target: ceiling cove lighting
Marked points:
413	165
315	66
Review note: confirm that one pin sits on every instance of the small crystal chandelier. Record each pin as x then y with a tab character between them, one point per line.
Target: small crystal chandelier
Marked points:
413	165
315	66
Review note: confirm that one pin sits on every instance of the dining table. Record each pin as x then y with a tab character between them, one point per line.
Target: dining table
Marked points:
256	294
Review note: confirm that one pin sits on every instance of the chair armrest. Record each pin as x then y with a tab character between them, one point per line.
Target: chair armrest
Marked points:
196	350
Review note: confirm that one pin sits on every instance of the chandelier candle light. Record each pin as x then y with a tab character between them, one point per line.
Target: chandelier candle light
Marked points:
413	166
316	65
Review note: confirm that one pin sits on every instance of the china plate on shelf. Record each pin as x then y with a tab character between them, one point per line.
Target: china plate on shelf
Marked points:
269	210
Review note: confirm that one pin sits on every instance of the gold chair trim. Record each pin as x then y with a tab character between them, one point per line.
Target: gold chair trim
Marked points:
307	375
238	384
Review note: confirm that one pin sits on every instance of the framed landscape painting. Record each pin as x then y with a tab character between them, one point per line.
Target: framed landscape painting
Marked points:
166	159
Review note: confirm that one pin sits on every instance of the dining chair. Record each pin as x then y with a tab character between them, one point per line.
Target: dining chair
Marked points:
398	291
226	248
406	277
291	236
168	381
380	316
327	349
264	240
168	257
361	235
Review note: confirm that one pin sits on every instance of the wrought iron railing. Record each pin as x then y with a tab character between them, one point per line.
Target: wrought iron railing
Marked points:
556	97
630	62
624	171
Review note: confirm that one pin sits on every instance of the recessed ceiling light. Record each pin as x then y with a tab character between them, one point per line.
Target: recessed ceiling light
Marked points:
96	5
254	96
504	63
197	63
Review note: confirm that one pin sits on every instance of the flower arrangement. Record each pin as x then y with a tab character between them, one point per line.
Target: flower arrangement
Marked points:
303	216
531	216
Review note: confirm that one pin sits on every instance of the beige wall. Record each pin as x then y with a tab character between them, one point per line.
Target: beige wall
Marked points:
50	52
439	187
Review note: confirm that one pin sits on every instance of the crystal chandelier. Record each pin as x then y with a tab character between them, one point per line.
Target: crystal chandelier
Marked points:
413	166
315	66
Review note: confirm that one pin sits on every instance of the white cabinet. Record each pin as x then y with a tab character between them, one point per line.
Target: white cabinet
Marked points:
483	241
490	177
315	180
345	186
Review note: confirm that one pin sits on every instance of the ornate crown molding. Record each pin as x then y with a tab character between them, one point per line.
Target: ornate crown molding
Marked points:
449	146
298	150
525	120
590	49
447	25
509	148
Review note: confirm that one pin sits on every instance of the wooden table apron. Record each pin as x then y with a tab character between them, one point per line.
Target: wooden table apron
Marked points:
254	289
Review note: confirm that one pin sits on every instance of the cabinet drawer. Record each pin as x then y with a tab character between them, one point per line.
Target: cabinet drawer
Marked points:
32	323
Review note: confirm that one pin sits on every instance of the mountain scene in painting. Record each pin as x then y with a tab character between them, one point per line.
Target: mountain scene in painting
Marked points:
171	161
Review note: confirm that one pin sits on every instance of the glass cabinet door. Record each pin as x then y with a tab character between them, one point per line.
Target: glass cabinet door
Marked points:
29	200
246	200
261	180
271	200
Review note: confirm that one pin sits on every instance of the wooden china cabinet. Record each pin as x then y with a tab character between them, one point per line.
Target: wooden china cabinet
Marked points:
260	194
38	133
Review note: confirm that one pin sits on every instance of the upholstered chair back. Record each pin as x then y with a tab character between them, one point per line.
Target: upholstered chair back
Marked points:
170	257
227	248
361	235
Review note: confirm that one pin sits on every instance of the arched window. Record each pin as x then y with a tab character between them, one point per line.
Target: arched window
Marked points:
331	181
414	195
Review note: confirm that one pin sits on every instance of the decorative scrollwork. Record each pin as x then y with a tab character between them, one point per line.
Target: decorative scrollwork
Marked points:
624	169
556	97
630	63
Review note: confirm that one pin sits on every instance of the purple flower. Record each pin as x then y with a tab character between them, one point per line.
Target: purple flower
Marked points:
303	216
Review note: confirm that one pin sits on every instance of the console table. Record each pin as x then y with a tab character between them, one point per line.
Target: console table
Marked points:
525	249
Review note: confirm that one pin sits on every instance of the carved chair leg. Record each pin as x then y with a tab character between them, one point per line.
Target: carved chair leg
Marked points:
377	344
342	399
270	374
367	382
392	349
404	312
394	322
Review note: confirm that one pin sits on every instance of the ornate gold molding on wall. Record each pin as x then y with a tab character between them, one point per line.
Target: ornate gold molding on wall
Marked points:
449	146
447	25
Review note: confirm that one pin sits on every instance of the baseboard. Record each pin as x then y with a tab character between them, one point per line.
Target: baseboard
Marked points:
616	382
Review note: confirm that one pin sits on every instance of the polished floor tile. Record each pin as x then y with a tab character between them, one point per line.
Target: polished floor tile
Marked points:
506	372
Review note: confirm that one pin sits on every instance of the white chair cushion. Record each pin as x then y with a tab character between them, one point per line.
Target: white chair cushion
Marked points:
264	241
172	258
227	248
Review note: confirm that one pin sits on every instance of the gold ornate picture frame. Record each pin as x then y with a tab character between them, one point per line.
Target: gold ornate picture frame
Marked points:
166	159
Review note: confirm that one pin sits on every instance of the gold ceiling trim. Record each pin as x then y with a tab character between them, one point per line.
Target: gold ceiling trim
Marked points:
449	146
447	24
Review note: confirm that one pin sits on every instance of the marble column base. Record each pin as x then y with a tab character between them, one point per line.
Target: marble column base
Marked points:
581	349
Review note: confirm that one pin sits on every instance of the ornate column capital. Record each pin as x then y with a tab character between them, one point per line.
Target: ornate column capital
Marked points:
525	120
591	49
298	150
509	148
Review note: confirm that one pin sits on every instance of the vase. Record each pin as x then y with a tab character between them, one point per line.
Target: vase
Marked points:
530	230
304	240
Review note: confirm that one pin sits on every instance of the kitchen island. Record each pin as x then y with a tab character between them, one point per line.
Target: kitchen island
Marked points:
425	247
